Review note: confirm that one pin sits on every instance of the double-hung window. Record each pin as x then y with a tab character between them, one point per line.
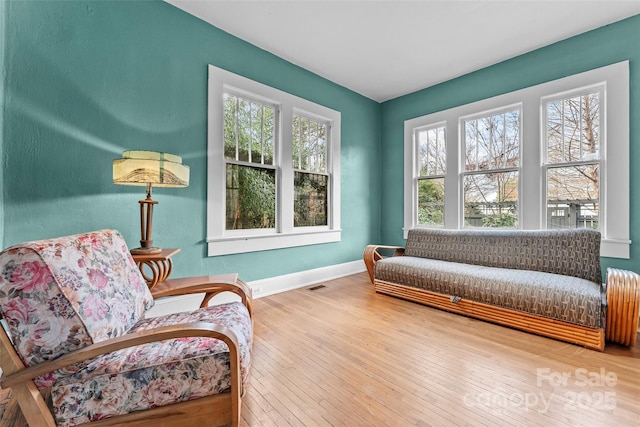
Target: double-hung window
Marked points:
549	156
249	136
491	168
572	162
431	165
273	168
311	180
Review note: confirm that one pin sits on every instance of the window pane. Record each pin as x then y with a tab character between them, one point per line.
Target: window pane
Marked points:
573	197
431	151
491	200
492	142
230	126
554	132
573	128
269	127
249	130
310	202
251	197
255	155
309	145
244	127
431	201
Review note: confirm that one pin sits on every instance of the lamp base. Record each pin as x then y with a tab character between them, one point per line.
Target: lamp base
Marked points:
145	251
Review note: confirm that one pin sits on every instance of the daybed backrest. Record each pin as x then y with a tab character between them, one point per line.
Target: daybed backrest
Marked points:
574	252
63	294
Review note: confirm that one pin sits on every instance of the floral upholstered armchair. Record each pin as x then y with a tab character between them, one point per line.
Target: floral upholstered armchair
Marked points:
76	330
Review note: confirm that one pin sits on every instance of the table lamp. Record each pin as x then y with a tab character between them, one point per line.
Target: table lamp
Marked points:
149	168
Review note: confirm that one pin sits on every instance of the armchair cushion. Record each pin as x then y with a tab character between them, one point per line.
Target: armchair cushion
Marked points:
48	306
154	374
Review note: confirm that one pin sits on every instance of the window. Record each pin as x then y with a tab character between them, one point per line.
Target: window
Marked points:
432	165
273	168
572	163
249	134
553	155
491	169
310	165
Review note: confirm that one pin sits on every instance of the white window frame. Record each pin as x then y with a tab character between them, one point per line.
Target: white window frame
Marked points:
462	161
416	177
602	166
223	242
614	185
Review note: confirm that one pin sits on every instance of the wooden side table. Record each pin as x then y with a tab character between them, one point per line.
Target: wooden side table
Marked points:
159	265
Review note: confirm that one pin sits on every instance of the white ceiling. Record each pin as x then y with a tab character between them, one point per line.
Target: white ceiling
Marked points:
385	49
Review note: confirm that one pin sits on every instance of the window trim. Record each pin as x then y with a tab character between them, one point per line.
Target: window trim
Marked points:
601	88
221	241
462	162
614	159
416	176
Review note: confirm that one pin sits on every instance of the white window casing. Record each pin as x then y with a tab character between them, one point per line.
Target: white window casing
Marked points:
532	206
222	241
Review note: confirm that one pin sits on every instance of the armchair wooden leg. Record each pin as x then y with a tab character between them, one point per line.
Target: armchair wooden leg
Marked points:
32	404
33	407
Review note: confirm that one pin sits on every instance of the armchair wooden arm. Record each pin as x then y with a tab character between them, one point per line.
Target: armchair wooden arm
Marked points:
372	255
199	329
209	285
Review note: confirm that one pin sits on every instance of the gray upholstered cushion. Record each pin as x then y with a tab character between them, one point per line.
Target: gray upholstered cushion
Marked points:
573	252
565	298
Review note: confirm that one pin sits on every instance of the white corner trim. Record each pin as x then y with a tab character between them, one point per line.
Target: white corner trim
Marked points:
261	288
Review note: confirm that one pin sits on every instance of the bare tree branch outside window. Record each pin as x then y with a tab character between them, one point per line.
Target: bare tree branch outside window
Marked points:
573	156
492	159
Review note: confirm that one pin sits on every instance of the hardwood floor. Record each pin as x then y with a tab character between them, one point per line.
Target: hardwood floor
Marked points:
341	355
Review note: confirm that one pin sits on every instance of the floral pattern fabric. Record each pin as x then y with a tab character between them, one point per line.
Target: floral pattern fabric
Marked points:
63	294
153	374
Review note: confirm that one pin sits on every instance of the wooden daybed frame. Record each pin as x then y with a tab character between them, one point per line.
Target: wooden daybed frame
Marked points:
623	299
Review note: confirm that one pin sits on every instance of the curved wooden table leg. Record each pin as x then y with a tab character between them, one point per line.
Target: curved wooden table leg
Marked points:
623	304
160	270
155	268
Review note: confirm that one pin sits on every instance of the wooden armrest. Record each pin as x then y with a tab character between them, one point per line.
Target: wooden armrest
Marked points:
208	285
623	306
196	329
372	255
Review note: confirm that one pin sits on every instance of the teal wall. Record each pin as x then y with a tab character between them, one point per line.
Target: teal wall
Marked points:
81	81
3	16
603	46
86	80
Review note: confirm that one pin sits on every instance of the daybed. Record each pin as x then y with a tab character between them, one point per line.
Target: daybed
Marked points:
547	282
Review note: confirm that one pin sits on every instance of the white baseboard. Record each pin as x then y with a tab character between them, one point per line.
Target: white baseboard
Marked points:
261	288
288	282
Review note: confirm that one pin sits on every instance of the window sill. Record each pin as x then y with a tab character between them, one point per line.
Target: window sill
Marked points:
615	248
255	243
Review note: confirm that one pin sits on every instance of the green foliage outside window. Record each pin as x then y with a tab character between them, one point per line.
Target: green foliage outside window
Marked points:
251	198
504	219
431	201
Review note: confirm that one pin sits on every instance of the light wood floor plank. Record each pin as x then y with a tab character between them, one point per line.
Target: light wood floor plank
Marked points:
413	365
